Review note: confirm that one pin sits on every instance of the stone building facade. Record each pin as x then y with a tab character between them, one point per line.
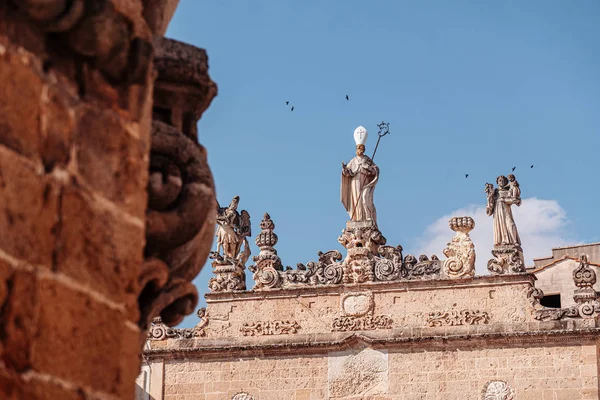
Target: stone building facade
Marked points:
98	184
420	328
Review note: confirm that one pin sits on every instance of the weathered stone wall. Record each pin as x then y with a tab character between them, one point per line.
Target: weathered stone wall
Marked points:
415	339
407	304
535	372
75	114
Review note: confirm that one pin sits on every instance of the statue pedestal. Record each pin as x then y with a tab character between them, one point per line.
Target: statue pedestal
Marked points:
508	260
362	239
229	276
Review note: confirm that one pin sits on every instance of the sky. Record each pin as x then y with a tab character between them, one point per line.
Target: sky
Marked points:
471	88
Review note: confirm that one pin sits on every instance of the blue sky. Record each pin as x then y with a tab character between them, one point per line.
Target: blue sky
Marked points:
467	87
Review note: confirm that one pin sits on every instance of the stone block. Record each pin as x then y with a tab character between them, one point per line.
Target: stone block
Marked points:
76	332
19	320
99	248
112	160
20	102
28	209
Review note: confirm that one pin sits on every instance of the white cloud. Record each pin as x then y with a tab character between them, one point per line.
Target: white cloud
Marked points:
541	225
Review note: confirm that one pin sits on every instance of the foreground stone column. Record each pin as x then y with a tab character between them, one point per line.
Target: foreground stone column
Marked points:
76	80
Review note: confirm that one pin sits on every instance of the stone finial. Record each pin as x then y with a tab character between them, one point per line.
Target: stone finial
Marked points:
461	250
507	251
266	239
585	279
267	265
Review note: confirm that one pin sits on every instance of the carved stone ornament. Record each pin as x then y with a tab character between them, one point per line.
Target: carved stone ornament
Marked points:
507	252
270	328
243	396
97	32
498	390
180	218
586	297
159	331
454	318
229	260
365	323
507	259
362	240
268	264
461	250
356	304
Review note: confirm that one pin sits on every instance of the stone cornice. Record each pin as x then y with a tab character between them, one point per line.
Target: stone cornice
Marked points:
319	344
377	287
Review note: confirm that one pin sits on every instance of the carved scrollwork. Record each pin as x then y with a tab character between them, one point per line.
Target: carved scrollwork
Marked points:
453	318
365	323
179	225
270	328
159	331
461	250
507	259
326	271
422	269
389	265
534	295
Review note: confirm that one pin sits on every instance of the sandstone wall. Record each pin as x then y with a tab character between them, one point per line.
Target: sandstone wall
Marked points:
534	372
498	301
75	101
414	339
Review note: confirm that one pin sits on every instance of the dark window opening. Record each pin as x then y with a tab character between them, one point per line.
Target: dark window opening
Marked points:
551	300
162	115
189	124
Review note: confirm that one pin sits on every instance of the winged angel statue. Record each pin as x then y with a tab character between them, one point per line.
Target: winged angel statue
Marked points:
233	228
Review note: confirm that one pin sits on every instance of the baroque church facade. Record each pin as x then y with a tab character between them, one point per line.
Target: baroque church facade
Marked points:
374	323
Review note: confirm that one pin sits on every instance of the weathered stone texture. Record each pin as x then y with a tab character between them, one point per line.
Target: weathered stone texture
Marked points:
75	113
408	304
534	372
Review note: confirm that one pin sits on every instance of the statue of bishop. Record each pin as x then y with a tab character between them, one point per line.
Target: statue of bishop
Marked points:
359	178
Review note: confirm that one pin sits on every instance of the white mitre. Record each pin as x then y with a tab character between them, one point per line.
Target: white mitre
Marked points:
360	135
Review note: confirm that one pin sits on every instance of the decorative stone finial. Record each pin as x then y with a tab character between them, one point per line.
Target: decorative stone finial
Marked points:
461	250
267	238
268	264
585	279
507	252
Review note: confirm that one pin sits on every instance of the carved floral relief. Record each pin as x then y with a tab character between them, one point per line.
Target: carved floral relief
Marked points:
366	323
453	318
270	328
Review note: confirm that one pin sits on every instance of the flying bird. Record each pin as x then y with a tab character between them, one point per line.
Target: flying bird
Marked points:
466	175
513	170
531	166
292	108
287	103
347	98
